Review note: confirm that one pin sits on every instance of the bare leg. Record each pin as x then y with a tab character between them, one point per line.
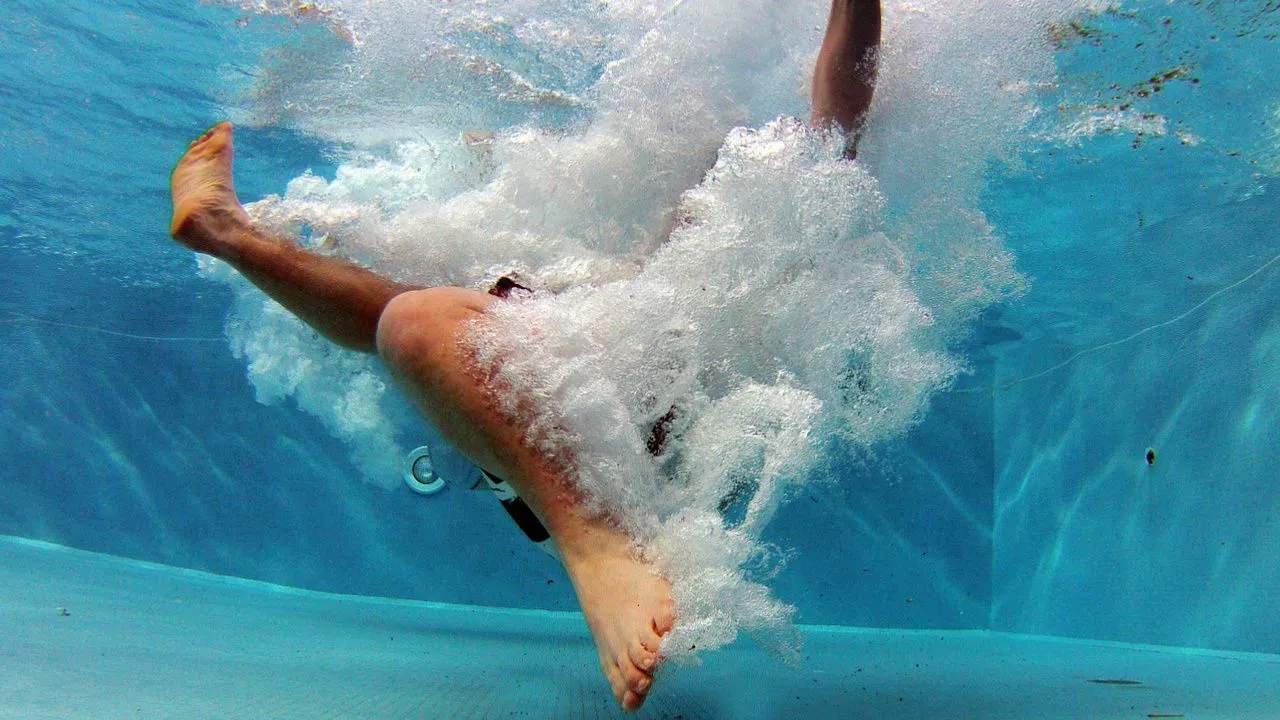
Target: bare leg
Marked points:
420	335
845	76
341	300
627	606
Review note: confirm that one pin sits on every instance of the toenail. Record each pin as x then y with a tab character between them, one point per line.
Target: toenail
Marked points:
642	685
646	663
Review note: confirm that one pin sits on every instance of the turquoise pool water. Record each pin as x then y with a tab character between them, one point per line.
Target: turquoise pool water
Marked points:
1128	169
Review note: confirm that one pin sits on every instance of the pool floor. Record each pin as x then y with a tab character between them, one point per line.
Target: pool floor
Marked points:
92	636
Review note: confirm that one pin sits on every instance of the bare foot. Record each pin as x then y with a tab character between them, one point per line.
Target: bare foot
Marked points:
628	608
205	206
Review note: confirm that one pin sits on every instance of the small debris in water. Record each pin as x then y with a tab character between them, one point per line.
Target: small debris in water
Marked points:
64	612
1151	456
1165	715
473	138
1108	681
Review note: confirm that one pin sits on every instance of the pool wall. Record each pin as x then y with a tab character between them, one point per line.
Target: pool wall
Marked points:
1092	540
157	450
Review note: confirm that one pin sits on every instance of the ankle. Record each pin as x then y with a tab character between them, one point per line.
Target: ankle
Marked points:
219	233
595	541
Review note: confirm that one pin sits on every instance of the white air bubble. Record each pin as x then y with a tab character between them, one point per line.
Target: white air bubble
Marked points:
769	298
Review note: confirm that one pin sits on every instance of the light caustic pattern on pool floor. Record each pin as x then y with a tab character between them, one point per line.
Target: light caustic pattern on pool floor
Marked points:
92	636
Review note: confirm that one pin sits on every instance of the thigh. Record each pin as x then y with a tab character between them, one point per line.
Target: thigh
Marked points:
420	332
422	340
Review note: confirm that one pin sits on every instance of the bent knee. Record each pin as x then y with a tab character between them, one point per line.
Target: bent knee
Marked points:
419	319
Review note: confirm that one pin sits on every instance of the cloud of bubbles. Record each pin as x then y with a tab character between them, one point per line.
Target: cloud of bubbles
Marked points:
701	259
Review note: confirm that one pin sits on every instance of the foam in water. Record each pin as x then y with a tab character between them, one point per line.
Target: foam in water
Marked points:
780	306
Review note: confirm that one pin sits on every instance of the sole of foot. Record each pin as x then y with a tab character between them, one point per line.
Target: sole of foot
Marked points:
205	206
629	608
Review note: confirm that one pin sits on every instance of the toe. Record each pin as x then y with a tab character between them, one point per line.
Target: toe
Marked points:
636	681
650	641
214	139
632	701
222	131
207	134
616	683
664	619
644	658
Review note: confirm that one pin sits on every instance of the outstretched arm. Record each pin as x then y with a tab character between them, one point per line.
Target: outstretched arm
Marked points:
845	76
